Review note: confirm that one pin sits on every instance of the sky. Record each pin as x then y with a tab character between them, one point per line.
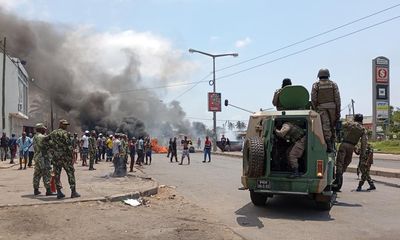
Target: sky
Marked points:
249	28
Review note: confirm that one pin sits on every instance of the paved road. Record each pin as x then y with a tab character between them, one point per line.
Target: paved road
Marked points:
213	186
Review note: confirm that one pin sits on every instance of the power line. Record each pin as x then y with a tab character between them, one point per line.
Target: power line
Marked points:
309	38
308	48
188	90
220	120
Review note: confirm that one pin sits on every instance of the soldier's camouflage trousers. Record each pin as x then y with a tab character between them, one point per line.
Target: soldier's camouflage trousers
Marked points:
364	169
344	156
296	152
41	170
328	117
69	169
92	157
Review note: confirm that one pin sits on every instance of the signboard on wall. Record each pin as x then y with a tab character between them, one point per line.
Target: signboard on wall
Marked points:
214	102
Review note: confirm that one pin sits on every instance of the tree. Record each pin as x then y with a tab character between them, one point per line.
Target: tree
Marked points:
240	125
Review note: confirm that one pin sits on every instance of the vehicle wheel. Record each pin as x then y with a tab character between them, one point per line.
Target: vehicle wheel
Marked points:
324	206
258	199
253	157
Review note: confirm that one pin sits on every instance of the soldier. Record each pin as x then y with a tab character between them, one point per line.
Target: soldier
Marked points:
62	146
295	135
365	166
325	99
353	131
275	100
92	150
42	167
124	145
75	147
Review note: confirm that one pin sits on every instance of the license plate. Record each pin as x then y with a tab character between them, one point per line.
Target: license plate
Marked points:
263	184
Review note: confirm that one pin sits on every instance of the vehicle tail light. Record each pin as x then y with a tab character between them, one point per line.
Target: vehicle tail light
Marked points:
320	168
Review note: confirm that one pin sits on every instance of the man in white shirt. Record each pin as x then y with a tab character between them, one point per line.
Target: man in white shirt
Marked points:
85	147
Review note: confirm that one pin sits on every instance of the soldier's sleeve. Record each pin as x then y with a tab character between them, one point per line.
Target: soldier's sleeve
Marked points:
281	133
314	96
364	142
337	100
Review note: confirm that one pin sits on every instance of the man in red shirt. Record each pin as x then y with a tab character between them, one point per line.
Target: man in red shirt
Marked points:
207	149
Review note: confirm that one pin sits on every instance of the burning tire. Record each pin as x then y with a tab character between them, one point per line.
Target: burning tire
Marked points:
253	157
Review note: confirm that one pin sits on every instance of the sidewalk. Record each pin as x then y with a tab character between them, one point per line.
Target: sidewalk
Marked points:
16	185
389	174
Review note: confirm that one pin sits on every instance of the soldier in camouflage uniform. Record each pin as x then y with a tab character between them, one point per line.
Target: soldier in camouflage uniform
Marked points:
364	166
325	99
61	143
92	150
353	132
275	100
41	158
296	136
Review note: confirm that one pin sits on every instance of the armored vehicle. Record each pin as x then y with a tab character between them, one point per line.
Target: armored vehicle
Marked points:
266	171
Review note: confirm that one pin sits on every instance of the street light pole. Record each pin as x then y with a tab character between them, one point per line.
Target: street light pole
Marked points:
214	89
3	104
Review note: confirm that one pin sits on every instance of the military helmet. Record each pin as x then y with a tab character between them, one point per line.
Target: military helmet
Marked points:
358	117
323	73
40	126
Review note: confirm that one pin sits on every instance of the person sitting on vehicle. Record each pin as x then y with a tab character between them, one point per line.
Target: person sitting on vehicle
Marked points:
295	135
275	100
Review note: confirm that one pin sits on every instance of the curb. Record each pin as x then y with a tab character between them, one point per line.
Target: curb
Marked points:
113	198
9	166
375	172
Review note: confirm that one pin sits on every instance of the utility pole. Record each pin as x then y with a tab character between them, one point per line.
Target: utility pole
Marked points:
3	102
352	106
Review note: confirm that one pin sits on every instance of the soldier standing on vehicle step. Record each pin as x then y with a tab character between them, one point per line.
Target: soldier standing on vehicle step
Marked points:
62	147
275	100
365	166
295	135
42	162
353	132
325	99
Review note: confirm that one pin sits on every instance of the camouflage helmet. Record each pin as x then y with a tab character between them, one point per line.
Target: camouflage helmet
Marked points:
323	73
358	117
40	126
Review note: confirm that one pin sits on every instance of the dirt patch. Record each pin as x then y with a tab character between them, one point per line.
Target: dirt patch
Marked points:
166	215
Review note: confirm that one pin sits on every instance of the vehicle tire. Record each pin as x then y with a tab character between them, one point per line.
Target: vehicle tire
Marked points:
324	206
258	199
253	157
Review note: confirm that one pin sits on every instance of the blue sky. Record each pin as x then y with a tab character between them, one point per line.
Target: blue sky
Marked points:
249	28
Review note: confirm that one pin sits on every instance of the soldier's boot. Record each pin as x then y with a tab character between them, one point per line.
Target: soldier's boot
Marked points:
60	194
295	173
74	193
371	186
36	191
91	167
49	192
360	184
338	182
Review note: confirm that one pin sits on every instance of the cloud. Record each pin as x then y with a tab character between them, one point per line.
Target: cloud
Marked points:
214	38
243	42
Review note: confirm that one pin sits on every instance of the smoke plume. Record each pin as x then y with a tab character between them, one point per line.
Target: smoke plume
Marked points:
87	75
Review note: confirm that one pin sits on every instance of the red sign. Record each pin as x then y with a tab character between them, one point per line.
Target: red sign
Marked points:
382	75
214	102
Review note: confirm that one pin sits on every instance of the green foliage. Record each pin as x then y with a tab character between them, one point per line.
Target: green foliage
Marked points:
389	146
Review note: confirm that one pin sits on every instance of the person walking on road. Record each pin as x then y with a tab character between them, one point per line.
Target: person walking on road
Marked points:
140	151
174	152
31	151
62	158
207	149
13	147
198	143
92	150
85	148
75	147
353	132
24	143
365	166
109	146
185	153
4	146
132	152
42	167
169	147
325	99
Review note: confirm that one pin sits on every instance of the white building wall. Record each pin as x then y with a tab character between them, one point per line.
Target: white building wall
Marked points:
15	94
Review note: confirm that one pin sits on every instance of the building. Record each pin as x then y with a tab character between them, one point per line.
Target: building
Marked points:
15	94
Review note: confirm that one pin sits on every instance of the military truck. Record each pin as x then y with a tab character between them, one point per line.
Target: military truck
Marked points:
266	171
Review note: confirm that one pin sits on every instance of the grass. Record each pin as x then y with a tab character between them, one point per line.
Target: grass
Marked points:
389	146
